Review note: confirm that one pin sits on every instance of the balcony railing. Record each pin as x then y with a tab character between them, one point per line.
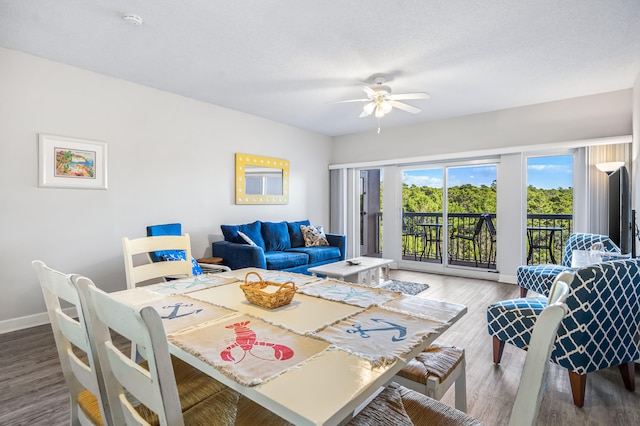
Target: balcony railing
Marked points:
423	234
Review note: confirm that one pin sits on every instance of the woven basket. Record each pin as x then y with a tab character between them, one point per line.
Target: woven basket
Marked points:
254	292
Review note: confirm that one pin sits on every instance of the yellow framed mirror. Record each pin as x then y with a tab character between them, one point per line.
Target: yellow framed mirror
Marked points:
261	180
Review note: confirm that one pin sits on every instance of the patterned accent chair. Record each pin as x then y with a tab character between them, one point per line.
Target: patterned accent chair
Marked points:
599	331
539	278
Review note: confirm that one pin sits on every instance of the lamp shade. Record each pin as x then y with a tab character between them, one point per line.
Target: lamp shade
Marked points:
609	167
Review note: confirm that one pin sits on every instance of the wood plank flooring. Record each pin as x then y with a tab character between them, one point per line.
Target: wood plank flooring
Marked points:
33	392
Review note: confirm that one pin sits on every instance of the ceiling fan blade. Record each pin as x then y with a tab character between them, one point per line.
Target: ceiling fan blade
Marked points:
369	91
405	107
416	95
368	109
351	100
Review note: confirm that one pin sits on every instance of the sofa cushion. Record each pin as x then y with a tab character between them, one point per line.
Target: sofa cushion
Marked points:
319	253
278	260
276	236
295	234
313	236
251	230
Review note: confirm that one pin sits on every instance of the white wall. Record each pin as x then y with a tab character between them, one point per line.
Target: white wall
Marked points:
170	159
588	117
510	134
635	155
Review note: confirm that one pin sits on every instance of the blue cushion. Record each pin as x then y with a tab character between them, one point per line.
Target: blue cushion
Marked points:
276	236
318	253
252	230
278	260
295	234
179	255
162	255
159	230
512	320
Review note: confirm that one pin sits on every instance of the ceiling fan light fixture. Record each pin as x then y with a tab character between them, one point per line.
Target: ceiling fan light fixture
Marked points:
379	111
386	107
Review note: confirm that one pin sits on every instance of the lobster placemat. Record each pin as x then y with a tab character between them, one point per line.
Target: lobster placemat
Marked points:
348	293
248	350
187	285
380	335
179	312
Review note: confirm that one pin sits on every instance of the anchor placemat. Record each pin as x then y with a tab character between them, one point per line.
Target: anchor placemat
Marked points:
380	335
248	350
179	312
348	293
187	285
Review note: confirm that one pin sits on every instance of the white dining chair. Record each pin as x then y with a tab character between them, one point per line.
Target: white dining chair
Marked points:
89	405
421	409
138	266
434	370
163	390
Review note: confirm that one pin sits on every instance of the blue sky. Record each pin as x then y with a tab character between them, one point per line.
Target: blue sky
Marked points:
542	172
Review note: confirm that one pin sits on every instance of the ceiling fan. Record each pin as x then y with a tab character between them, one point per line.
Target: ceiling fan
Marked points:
380	101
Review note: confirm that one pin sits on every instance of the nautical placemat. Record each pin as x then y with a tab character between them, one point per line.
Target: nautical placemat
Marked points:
274	276
380	335
187	285
179	312
435	310
248	350
348	293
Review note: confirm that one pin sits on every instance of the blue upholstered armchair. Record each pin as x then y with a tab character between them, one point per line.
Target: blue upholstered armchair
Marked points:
599	331
539	278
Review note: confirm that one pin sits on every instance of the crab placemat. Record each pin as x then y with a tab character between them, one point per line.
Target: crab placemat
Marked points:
248	350
380	335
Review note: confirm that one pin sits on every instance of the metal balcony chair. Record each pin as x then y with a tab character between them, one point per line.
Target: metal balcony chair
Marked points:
492	239
471	238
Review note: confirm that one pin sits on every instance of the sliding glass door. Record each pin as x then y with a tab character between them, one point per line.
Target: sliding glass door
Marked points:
449	215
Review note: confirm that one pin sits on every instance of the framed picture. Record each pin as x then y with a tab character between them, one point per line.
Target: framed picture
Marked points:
72	163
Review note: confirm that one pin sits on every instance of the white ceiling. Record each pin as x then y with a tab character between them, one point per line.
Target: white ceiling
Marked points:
287	60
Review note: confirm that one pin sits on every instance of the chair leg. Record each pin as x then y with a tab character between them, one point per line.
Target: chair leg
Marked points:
578	387
523	292
628	371
461	389
498	348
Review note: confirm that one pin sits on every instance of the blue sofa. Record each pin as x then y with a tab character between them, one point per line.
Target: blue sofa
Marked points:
278	246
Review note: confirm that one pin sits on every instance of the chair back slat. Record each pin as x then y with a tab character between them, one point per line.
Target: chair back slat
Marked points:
137	273
72	335
529	395
154	387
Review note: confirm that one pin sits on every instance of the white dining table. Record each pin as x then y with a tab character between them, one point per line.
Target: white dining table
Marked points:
327	387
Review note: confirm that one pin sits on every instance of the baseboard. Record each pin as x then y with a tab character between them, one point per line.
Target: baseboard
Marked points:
504	278
15	324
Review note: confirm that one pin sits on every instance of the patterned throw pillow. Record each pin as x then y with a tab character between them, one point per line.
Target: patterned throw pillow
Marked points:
313	236
246	238
196	269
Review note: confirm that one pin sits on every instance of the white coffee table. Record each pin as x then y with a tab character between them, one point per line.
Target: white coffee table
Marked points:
367	272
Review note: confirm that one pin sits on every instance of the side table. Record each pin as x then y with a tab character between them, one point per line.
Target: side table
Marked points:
212	265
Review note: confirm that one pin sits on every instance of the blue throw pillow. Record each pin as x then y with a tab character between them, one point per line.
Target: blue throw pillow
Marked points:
276	236
251	230
160	230
295	234
179	255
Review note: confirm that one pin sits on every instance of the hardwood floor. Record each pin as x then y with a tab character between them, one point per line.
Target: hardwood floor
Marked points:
32	389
